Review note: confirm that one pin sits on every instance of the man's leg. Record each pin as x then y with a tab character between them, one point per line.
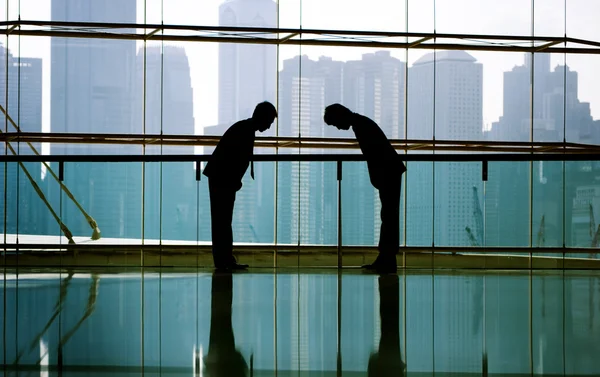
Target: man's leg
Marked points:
222	201
389	236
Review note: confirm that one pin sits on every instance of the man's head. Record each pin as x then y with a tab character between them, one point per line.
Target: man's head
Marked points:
264	115
338	116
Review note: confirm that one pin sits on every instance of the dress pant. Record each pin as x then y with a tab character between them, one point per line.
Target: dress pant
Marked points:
222	199
389	235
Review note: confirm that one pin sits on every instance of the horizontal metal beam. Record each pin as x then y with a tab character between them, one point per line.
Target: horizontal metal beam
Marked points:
298	36
313	42
438	157
309	144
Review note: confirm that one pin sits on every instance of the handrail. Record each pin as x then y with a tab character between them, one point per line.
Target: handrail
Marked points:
445	157
293	142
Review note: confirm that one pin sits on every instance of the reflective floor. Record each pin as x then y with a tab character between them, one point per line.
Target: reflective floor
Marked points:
172	322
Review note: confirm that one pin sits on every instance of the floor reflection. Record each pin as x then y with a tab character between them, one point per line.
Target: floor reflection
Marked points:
223	358
299	322
387	361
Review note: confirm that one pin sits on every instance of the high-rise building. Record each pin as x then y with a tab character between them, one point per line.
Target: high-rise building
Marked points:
247	74
449	99
556	108
170	201
373	86
92	91
23	102
307	205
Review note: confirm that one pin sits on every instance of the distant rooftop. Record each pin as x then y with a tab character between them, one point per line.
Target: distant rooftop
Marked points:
446	56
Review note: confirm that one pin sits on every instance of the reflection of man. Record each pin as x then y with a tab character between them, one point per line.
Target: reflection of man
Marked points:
225	170
385	172
223	359
387	361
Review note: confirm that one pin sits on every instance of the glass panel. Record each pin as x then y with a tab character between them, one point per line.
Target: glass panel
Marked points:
549	101
36	223
548	344
288	195
100	322
289	14
360	206
457	323
419	203
548	204
361	321
507	203
151	316
580	19
203	211
549	17
170	99
581	305
419	319
179	206
178	316
506	117
253	317
10	189
582	106
378	15
583	98
93	81
421	16
109	193
152	200
367	81
511	17
506	303
33	303
458	210
287	321
419	125
253	213
581	203
3	316
318	214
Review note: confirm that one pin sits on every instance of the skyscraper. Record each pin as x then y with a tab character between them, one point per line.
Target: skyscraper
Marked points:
556	110
23	102
170	204
372	86
247	74
92	91
450	101
307	205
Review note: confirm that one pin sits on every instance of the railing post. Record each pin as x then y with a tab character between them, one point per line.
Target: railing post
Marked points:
339	224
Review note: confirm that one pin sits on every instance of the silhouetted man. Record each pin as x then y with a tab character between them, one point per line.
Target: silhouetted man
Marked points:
225	169
385	172
387	361
223	359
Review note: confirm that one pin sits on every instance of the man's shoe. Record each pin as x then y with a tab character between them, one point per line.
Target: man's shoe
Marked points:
237	266
231	266
383	265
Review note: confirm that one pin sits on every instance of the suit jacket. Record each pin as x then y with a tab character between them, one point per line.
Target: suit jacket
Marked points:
383	161
230	159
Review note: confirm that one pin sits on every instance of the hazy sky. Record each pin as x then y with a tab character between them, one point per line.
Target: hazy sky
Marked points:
448	16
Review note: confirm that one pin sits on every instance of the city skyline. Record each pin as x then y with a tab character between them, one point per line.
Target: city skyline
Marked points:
462	16
445	89
439	57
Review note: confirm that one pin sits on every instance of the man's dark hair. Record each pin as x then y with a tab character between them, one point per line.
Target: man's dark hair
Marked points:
264	110
336	112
